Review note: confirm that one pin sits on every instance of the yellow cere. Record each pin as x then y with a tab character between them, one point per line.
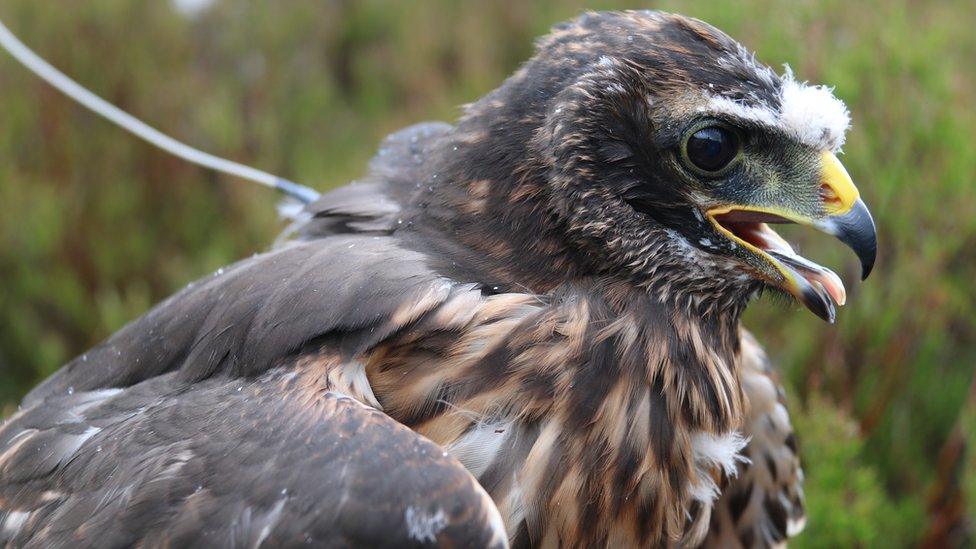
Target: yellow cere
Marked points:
841	194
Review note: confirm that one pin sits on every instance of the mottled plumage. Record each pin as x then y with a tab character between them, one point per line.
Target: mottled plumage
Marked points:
763	506
522	328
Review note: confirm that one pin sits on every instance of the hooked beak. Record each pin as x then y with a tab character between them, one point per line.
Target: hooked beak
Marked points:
844	216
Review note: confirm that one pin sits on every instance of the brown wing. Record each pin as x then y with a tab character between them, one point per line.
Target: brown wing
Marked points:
274	460
763	506
207	422
348	291
344	279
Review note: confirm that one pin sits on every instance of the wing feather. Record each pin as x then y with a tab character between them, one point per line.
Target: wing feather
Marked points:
205	421
271	460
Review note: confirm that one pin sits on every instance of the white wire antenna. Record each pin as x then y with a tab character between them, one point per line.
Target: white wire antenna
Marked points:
76	91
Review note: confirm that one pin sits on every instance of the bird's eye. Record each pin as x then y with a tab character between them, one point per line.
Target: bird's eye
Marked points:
712	149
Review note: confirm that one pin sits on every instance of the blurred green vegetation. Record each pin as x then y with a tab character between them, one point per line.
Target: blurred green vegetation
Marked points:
95	226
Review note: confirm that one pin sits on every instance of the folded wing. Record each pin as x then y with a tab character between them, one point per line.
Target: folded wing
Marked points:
275	460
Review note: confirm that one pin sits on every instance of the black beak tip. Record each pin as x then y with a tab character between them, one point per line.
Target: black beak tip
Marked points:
868	253
856	229
866	269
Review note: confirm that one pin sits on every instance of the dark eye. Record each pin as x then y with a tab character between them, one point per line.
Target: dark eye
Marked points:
711	149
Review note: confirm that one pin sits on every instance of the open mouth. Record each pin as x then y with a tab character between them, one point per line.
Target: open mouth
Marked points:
750	228
841	214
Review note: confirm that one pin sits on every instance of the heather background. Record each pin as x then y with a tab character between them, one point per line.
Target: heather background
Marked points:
95	227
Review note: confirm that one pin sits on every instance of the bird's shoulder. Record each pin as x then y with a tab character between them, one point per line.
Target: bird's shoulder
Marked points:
375	204
345	291
341	272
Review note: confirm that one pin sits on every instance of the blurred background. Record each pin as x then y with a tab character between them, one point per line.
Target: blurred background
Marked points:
96	226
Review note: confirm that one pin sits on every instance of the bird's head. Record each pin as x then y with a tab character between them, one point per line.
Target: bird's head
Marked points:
662	149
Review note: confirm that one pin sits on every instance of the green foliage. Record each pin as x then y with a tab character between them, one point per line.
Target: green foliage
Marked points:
95	226
847	505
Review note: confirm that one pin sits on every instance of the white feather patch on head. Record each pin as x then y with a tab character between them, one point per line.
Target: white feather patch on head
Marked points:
809	113
813	114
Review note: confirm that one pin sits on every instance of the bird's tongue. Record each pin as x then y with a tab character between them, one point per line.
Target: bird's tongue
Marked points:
819	277
753	230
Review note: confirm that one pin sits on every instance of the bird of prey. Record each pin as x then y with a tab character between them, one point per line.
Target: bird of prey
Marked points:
520	329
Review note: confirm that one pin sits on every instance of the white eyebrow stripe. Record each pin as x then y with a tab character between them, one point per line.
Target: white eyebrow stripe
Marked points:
811	114
760	115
